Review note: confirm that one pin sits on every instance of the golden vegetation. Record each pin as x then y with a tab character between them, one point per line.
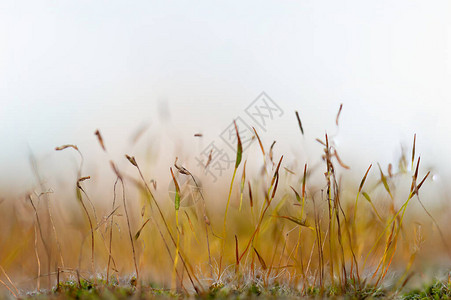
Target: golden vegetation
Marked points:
285	230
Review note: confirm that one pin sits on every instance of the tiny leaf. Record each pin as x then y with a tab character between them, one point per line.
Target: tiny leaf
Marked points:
298	198
142	227
384	181
239	150
260	259
364	178
177	192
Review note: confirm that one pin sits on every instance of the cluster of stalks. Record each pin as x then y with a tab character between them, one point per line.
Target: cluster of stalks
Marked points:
304	237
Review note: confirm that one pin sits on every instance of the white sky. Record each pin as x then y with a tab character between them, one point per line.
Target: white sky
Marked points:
69	67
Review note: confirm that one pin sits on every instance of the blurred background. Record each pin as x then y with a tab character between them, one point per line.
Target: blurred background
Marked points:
164	79
152	74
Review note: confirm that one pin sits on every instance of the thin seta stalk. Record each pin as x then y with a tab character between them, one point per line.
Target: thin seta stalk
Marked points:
80	198
182	170
110	255
239	154
177	208
79	190
132	160
266	205
301	200
399	215
120	178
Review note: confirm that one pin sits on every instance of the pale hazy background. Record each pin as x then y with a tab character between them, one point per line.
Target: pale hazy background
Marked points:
181	67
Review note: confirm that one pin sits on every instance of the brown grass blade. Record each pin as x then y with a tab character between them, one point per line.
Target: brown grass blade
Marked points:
364	178
340	161
384	181
251	200
140	229
413	148
81	179
275	186
271	154
417	188
289	171
299	122
237	255
321	142
415	177
181	169
100	139
422	181
209	159
239	150
260	259
65	147
154	184
259	141
338	114
304	178
276	173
